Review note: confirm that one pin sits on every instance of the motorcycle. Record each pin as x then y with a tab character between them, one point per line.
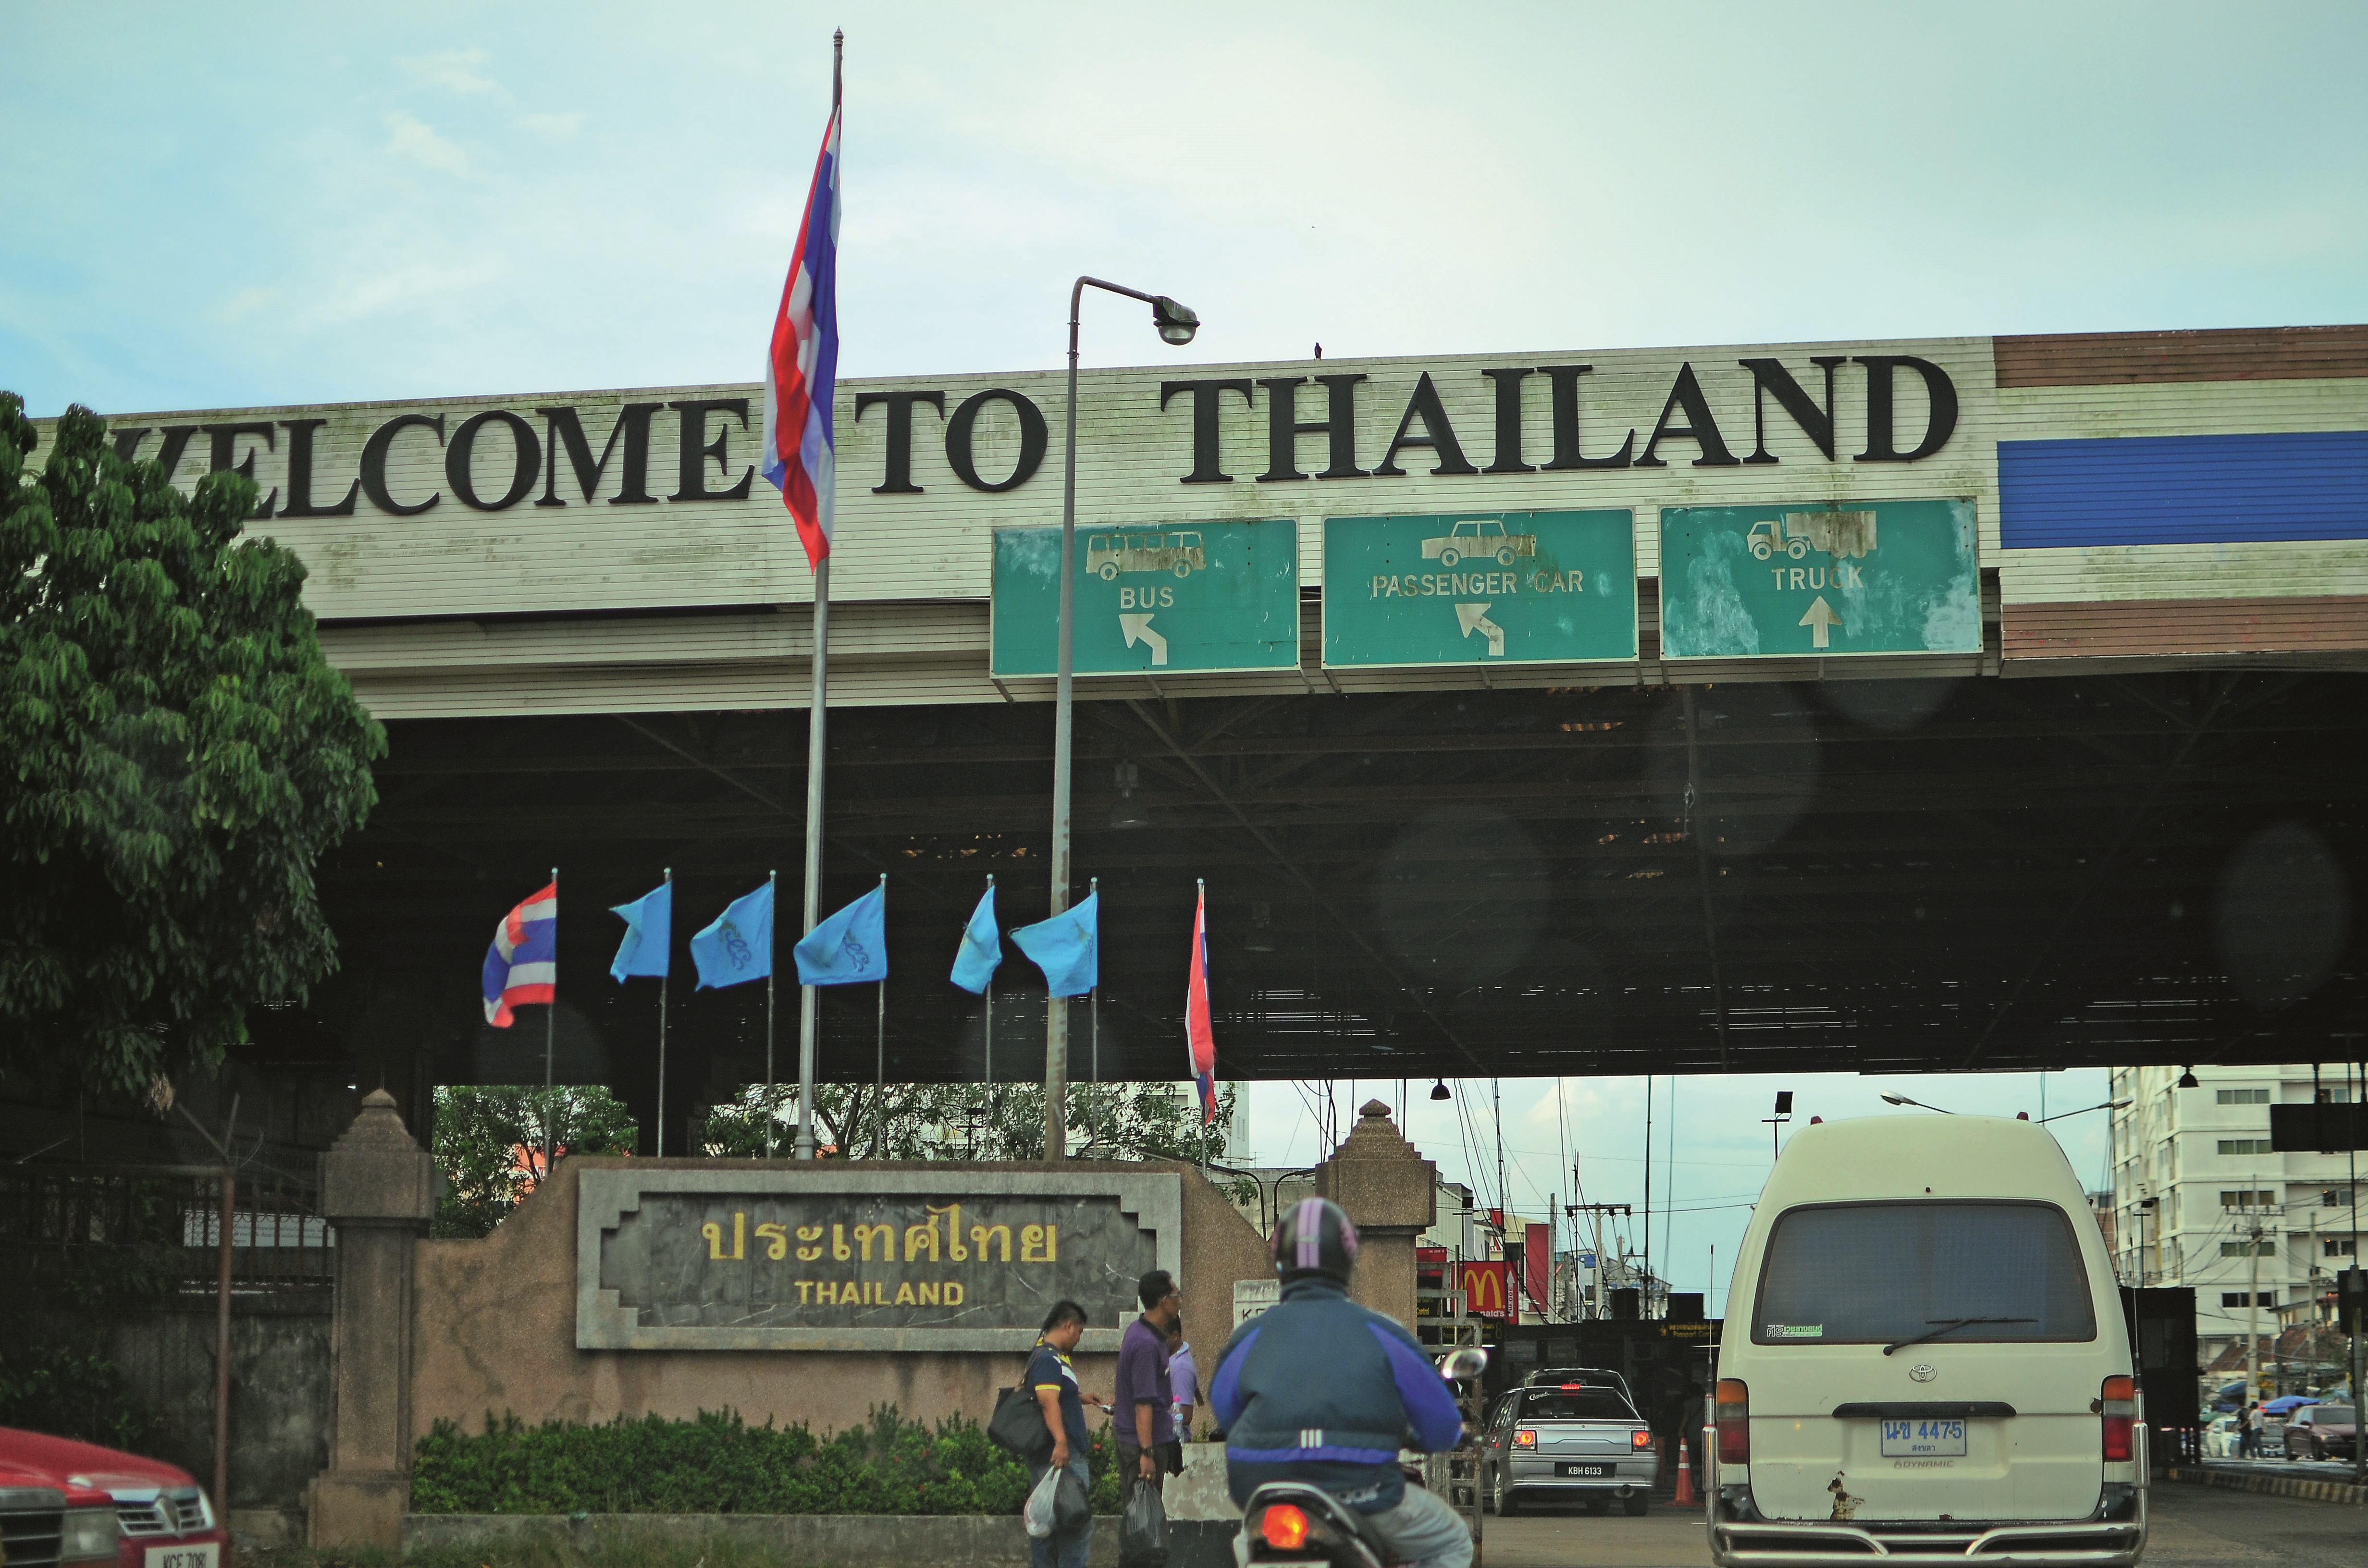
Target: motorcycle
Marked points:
1290	1524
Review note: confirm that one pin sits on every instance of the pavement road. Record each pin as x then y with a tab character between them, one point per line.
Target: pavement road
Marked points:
2190	1527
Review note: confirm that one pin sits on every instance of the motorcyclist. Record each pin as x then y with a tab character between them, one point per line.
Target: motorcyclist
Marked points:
1319	1390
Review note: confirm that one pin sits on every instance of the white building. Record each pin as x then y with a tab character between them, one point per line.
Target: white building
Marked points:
2200	1200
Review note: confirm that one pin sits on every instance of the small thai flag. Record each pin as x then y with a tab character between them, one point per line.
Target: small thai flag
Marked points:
1201	1041
802	368
523	964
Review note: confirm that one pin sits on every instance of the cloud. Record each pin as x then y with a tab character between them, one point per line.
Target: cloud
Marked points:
455	70
413	139
558	127
246	303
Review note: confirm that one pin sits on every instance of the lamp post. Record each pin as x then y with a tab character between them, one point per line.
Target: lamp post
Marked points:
2109	1105
1175	324
1919	1105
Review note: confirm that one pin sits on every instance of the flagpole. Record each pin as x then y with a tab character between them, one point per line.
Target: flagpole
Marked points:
772	879
808	1003
662	1010
1093	889
880	1085
550	1025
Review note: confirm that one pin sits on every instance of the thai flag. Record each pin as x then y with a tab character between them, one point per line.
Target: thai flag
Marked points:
803	366
1201	1041
523	964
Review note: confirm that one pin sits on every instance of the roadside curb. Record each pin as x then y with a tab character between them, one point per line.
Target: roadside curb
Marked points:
2274	1486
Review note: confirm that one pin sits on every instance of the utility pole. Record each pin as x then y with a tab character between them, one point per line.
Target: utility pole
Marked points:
2252	1300
1595	1211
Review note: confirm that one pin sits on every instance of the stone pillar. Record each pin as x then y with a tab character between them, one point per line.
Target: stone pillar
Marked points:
378	1187
1391	1193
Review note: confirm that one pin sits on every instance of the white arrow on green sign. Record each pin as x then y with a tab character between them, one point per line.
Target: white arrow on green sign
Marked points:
1824	579
1480	588
1149	598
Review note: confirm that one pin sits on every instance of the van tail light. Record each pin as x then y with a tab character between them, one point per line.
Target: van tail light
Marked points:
1734	1422
2119	1401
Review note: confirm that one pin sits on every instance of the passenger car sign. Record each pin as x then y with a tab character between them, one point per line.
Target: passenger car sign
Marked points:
1480	588
1824	579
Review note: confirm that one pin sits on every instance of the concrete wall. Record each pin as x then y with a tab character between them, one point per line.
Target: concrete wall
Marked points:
279	1394
494	1329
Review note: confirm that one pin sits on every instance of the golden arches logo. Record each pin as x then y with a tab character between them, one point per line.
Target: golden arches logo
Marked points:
1484	1288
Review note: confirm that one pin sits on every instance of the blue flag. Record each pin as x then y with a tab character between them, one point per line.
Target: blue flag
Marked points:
1065	947
981	952
739	946
850	947
649	932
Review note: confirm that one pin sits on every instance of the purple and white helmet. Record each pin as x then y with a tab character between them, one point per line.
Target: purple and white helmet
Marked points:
1315	1236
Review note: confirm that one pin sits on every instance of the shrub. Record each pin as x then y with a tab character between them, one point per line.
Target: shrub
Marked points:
717	1463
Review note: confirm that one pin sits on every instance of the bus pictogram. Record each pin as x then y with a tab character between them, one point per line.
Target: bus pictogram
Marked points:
1106	555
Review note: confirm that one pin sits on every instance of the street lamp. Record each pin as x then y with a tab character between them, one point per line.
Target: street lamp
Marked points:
1919	1105
1776	1122
2109	1105
1175	324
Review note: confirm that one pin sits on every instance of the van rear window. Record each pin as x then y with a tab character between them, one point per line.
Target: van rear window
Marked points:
1861	1273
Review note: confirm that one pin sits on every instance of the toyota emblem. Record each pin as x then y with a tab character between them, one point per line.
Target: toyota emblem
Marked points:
1924	1372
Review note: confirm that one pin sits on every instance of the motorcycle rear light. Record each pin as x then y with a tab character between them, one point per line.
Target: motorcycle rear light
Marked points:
1640	1439
2118	1400
1733	1416
1284	1526
1525	1438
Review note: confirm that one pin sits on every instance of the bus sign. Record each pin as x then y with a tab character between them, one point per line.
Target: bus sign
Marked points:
1149	599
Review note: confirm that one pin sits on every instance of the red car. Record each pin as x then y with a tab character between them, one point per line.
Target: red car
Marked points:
63	1502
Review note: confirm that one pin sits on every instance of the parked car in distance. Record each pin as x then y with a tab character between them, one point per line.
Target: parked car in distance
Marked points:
2220	1438
2323	1432
1570	1444
154	1515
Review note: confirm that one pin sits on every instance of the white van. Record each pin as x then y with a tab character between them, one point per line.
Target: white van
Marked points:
1924	1356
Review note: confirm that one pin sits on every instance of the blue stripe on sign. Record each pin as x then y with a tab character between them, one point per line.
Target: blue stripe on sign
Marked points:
2183	489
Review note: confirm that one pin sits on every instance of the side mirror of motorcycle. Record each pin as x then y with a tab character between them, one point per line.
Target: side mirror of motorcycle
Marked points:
1463	1366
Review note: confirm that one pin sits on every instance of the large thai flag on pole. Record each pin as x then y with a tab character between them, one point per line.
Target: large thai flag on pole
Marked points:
803	366
523	964
1199	1041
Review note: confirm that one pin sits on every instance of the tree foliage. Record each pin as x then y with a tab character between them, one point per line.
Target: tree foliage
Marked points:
488	1144
178	754
974	1121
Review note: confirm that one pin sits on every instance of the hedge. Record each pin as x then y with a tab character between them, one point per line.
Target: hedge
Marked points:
717	1463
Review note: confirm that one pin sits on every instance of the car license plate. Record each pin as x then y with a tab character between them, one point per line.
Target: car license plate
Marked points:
208	1555
1923	1440
1584	1469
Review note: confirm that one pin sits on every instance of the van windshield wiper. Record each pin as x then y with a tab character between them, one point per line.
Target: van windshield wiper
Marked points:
1948	1325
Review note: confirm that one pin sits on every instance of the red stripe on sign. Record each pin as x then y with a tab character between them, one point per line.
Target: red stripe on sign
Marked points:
2233	354
2156	627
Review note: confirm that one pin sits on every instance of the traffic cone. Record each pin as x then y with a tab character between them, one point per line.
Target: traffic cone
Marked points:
1685	1475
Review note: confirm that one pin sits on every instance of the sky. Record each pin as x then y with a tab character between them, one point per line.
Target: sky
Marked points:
285	203
273	204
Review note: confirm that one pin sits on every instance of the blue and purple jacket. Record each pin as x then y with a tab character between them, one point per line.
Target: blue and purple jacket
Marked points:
1318	1388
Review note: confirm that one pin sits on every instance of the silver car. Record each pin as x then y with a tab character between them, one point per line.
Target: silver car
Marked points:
1574	1443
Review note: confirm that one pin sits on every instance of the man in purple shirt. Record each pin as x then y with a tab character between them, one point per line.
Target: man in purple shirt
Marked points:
1143	1415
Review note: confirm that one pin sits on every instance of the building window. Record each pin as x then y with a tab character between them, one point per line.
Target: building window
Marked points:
2242	1299
2267	1248
2335	1198
2240	1097
2246	1146
2340	1247
2252	1197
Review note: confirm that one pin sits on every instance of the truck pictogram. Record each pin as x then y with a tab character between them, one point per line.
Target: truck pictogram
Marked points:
1838	534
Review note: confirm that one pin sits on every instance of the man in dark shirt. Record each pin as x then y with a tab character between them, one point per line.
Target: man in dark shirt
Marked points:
1055	1382
1144	1411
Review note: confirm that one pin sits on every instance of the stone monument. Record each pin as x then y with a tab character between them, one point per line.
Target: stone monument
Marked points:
1391	1193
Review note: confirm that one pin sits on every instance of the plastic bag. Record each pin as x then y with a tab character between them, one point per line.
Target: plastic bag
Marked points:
1143	1536
1042	1504
1071	1506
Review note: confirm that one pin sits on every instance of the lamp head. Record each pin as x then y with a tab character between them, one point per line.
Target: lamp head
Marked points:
2187	1079
1897	1100
1176	322
1438	1091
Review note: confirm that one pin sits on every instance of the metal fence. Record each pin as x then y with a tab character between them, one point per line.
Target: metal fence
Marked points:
66	1229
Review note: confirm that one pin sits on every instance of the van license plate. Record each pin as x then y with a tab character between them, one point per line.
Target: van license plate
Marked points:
207	1554
1585	1469
1923	1440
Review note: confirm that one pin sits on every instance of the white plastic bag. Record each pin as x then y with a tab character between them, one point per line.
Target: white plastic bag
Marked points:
1039	1511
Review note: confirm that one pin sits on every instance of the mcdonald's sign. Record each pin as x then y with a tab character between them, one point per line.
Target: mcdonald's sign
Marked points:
1486	1288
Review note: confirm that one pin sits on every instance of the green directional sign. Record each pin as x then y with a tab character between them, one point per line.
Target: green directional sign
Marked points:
1150	598
1480	588
1823	579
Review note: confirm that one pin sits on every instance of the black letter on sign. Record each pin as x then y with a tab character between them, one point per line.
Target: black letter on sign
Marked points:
567	430
1509	423
1565	379
900	435
1283	427
128	438
1208	456
375	463
1031	440
1882	446
528	462
225	443
1438	434
300	474
1698	427
1817	423
697	452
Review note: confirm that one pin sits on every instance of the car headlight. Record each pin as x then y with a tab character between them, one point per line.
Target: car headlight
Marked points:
89	1533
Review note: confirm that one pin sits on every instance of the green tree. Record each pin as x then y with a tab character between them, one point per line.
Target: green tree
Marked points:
489	1143
178	755
974	1121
